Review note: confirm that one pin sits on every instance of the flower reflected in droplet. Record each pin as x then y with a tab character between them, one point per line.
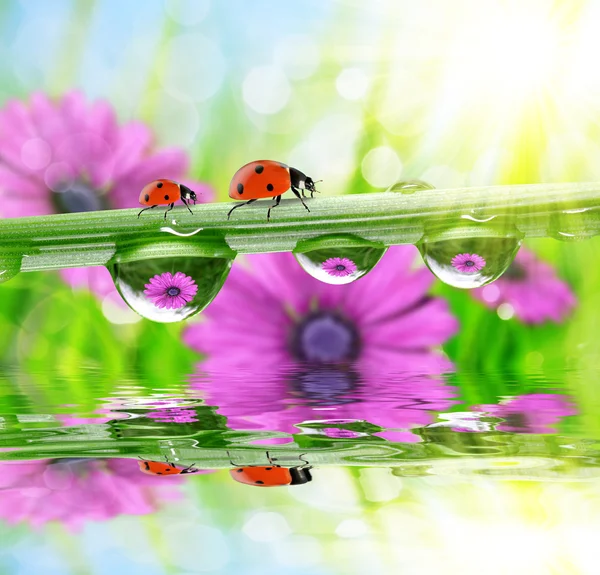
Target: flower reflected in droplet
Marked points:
339	267
171	291
468	263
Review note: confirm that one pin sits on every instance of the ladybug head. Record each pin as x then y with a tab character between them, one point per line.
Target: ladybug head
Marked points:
309	184
187	193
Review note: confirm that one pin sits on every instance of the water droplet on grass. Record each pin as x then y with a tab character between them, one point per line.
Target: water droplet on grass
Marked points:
410	186
338	259
469	262
170	289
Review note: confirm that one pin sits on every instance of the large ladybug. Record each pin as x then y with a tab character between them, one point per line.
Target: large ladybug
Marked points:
272	475
268	179
165	193
167	468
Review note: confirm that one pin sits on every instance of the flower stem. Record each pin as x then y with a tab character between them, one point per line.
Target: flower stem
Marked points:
563	211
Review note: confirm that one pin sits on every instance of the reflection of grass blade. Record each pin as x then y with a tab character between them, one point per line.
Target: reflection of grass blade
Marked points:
95	238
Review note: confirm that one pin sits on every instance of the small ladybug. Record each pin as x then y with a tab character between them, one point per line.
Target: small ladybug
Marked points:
165	193
272	475
268	179
167	468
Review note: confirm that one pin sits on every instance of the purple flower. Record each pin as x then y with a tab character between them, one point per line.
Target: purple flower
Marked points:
531	413
174	415
171	291
532	289
339	267
69	156
468	263
319	351
74	492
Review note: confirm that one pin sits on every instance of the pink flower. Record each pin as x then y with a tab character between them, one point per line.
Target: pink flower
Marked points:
319	351
468	263
69	156
531	413
531	287
75	491
171	291
339	267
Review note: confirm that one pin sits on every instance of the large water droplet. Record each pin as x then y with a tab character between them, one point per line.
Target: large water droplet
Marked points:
410	186
10	266
338	259
170	289
469	262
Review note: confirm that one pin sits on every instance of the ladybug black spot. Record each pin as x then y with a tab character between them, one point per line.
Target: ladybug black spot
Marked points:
270	187
240	470
240	189
166	197
259	482
259	169
146	198
268	468
159	185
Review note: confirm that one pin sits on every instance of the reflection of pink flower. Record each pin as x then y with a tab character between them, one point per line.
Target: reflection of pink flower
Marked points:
363	350
339	267
532	413
468	263
173	415
75	491
171	291
531	287
69	156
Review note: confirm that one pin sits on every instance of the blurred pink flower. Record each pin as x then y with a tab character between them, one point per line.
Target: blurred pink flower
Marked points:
69	156
284	348
532	288
531	413
75	491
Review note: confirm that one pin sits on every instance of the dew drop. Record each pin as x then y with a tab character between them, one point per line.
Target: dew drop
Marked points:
10	266
167	290
410	186
469	262
338	259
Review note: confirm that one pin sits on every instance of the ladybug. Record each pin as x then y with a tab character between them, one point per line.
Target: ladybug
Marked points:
165	193
167	468
272	475
268	179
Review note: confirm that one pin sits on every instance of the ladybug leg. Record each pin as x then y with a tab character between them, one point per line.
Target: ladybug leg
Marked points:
239	206
186	205
277	202
145	210
272	460
170	208
189	469
299	196
229	454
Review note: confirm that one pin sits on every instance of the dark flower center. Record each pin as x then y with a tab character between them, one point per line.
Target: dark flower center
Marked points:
77	197
325	337
173	291
340	268
515	272
469	263
517	420
325	384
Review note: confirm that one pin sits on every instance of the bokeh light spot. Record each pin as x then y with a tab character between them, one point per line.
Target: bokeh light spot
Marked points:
381	167
266	89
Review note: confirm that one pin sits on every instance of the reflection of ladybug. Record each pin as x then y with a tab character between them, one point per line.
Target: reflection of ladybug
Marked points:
268	179
165	193
167	468
272	475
